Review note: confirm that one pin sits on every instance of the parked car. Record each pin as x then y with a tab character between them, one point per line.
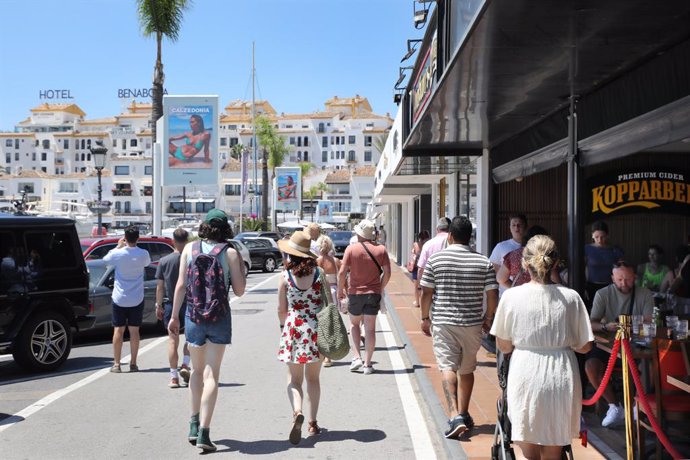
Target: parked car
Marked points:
244	252
44	290
275	236
101	282
263	254
341	240
97	248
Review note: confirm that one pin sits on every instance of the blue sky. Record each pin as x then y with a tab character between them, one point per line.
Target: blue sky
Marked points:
307	51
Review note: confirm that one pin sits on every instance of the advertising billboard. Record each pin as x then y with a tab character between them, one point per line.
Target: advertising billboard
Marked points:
190	140
324	211
288	193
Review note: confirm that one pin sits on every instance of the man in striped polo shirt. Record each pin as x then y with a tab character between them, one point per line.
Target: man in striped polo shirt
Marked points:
455	279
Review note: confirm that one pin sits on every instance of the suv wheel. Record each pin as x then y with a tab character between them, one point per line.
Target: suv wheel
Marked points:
44	342
269	264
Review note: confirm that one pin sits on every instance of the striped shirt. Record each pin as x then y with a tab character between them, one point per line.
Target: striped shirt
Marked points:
459	278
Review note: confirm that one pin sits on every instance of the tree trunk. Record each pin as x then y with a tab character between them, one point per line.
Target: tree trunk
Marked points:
264	188
157	96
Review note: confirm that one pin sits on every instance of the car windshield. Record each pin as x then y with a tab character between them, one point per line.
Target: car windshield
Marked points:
96	272
340	235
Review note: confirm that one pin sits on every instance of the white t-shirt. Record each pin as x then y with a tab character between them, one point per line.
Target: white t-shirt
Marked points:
129	266
499	252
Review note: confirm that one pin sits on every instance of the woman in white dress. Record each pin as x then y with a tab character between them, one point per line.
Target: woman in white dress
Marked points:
543	325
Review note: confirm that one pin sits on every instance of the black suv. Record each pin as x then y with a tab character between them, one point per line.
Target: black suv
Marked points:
44	289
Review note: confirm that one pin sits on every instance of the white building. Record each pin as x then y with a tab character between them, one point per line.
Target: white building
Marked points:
48	158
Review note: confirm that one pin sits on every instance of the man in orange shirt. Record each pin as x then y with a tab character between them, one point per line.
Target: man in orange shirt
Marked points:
369	269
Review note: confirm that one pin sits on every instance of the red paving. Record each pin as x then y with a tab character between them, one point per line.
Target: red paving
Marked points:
477	445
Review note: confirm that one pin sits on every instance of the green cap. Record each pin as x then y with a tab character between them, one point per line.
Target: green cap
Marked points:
216	214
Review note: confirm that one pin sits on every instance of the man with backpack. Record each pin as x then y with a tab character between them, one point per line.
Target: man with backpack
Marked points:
208	267
167	273
128	294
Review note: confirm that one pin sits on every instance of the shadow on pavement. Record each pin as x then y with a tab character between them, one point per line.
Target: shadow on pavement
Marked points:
265	447
71	366
477	430
6	419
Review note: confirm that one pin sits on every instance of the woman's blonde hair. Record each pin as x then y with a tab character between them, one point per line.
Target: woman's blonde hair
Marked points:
539	257
324	244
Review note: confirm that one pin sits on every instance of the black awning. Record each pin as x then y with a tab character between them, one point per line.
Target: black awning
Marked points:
507	87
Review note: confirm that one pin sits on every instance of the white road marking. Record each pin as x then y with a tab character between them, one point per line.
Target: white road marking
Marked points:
419	430
51	398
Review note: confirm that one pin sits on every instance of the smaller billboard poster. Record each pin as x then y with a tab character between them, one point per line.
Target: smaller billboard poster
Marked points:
190	140
288	193
640	191
324	211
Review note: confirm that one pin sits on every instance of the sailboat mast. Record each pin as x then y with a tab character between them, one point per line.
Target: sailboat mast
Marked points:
256	181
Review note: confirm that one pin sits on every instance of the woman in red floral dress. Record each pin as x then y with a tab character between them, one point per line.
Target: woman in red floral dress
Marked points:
299	299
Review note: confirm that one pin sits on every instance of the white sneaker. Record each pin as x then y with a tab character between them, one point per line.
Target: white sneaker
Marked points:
356	364
368	370
614	416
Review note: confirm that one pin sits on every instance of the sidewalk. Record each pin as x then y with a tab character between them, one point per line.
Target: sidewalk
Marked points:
477	444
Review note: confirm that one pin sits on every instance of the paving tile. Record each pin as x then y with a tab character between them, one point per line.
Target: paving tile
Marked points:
486	390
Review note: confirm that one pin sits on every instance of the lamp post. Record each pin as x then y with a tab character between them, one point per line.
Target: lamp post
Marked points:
98	153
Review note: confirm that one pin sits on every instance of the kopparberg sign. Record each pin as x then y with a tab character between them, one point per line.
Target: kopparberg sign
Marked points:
658	191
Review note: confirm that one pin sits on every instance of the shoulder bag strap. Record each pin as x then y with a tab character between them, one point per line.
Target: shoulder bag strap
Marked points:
519	274
372	257
325	293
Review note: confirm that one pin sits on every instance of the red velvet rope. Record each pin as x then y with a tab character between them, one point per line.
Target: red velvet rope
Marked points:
607	375
645	403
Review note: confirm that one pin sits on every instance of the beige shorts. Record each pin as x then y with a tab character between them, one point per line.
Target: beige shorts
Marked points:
456	347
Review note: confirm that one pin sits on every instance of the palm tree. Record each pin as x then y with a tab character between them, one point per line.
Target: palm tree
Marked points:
273	150
162	18
236	151
380	142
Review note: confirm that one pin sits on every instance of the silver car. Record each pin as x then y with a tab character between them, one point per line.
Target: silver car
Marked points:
101	282
244	252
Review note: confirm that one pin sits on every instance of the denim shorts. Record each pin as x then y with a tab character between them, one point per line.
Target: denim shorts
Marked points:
218	332
367	304
128	316
167	314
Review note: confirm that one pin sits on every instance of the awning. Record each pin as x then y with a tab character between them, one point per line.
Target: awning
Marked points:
512	67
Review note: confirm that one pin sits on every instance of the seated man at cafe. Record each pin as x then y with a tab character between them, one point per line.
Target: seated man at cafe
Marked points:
620	298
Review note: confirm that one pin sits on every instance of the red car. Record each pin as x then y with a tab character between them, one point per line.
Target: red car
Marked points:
97	248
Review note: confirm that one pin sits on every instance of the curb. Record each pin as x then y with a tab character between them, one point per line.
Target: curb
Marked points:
451	448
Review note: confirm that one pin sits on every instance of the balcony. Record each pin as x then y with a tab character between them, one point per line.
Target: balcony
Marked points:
122	192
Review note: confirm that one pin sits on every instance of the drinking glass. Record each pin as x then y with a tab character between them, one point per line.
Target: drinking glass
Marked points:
637	324
682	329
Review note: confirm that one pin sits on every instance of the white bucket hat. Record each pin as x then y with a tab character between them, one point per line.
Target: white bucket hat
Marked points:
366	229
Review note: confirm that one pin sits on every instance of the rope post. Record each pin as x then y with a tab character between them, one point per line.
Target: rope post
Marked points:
624	335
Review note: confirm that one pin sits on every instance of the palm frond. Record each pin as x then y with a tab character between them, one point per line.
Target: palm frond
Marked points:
162	16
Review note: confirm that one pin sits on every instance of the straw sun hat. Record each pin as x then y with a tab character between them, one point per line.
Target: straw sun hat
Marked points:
298	245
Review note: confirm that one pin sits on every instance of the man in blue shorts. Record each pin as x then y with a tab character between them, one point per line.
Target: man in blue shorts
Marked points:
128	294
166	273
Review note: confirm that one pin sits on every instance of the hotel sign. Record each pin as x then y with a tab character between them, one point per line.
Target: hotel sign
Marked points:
424	81
55	94
640	191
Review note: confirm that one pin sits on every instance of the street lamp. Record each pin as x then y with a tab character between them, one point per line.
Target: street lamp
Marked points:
98	153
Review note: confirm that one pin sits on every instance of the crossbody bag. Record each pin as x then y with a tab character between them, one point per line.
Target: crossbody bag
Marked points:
374	259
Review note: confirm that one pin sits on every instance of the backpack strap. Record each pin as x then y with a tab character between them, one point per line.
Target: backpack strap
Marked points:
196	248
217	249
